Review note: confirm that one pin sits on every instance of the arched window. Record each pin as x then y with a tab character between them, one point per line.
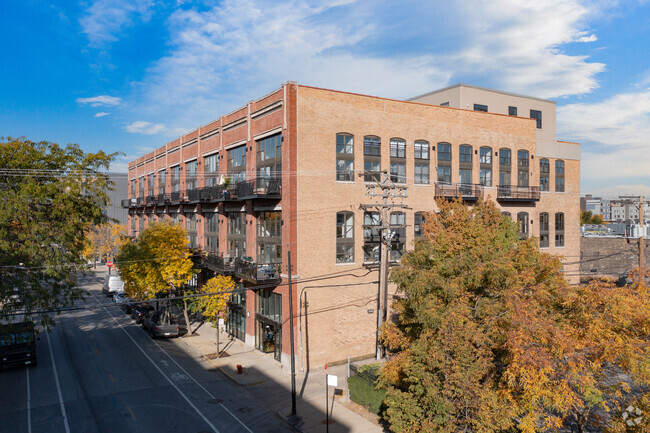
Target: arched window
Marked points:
522	222
371	158
397	160
444	162
522	168
544	173
465	164
559	175
345	157
543	230
344	237
486	166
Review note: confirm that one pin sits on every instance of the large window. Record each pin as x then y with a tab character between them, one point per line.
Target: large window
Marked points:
522	168
465	164
344	157
543	230
151	182
344	237
269	305
269	237
421	162
176	178
537	115
486	166
544	173
417	224
269	159
133	184
559	229
505	166
522	222
236	318
559	176
236	234
162	181
480	107
444	162
211	231
190	227
398	232
141	187
211	168
371	158
371	236
397	160
190	175
237	164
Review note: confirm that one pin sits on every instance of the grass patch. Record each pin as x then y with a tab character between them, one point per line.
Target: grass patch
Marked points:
362	388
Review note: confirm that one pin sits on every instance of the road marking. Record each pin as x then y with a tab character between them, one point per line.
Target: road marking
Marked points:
132	414
112	378
29	405
196	409
58	386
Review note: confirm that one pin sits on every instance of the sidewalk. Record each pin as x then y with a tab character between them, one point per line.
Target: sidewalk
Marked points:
271	384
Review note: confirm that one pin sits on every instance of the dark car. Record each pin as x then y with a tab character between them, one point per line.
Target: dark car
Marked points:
17	345
139	311
160	324
127	307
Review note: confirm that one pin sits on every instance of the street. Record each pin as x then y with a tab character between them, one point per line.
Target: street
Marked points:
99	372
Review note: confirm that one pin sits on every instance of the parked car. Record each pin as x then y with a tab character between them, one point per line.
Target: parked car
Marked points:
127	306
160	323
120	298
139	311
112	284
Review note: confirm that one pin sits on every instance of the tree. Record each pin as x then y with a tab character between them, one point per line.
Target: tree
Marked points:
490	336
49	195
105	240
215	305
156	263
587	217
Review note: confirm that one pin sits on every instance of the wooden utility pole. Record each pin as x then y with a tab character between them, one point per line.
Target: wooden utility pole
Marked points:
641	230
385	188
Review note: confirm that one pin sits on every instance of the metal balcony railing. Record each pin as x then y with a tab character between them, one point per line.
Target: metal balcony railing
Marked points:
466	191
245	269
176	197
150	200
193	195
517	193
162	199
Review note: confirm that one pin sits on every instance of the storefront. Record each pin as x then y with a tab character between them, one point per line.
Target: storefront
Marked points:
236	319
268	322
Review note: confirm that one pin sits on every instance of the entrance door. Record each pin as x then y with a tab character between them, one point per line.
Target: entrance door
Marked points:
269	339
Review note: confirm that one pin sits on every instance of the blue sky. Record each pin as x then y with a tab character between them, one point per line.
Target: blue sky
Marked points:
130	75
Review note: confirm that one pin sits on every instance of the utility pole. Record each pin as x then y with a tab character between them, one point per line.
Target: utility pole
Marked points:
293	358
385	188
629	200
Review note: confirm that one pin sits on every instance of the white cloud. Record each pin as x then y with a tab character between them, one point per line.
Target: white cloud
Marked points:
101	114
105	19
147	128
101	100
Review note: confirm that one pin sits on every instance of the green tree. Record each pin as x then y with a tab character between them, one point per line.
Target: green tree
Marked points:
491	337
215	305
49	195
156	263
587	217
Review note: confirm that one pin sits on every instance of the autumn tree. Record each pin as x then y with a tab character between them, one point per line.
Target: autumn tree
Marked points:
105	240
218	291
491	337
587	217
157	262
49	195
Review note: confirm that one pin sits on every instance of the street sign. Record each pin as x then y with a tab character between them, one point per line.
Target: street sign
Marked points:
332	380
109	264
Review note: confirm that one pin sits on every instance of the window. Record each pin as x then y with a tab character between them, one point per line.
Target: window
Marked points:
522	168
211	167
504	157
237	164
151	182
417	225
269	237
190	227
345	237
372	158
444	162
133	184
485	172
537	115
236	234
269	160
421	150
211	231
397	160
236	317
480	107
141	187
269	304
522	222
543	230
559	229
345	157
371	235
176	178
512	111
398	234
465	164
559	176
190	175
162	181
465	154
544	172
422	173
445	104
505	167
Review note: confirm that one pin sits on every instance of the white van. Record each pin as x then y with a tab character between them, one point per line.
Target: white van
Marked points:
112	284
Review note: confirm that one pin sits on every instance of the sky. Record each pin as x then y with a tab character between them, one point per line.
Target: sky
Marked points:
130	75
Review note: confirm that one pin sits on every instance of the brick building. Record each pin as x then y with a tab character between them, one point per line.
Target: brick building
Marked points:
285	174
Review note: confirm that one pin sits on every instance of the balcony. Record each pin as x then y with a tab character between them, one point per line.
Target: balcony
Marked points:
150	200
162	199
140	201
466	191
176	197
517	193
245	269
254	189
193	195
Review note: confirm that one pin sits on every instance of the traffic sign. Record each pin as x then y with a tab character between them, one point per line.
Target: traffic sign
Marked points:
109	263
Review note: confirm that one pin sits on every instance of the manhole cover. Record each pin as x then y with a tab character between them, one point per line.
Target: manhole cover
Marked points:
215	401
244	410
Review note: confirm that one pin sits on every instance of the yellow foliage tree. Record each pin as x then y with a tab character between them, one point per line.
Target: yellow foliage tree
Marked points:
105	240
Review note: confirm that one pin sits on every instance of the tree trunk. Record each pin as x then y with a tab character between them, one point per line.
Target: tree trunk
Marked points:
187	318
218	348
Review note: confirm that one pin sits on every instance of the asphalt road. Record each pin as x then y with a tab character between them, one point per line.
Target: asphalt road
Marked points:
99	372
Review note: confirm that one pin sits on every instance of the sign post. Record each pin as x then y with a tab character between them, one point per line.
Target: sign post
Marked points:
330	380
109	264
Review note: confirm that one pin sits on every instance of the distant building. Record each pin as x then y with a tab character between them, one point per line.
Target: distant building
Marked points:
121	191
592	204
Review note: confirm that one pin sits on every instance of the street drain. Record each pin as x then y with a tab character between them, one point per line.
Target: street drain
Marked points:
215	401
